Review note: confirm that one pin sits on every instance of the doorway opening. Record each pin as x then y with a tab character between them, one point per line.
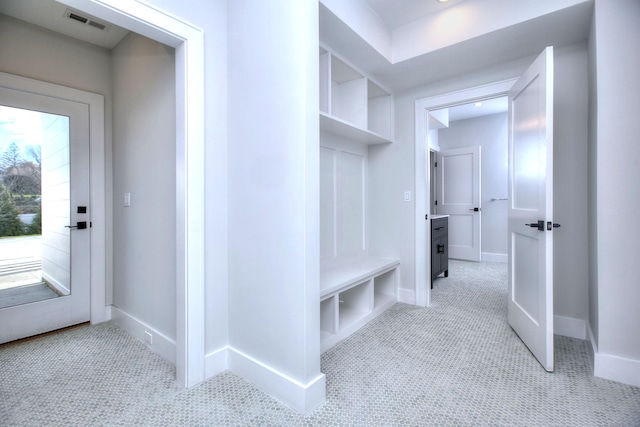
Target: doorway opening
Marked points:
469	176
426	144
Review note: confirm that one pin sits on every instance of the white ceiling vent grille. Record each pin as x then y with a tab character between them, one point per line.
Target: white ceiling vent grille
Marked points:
85	19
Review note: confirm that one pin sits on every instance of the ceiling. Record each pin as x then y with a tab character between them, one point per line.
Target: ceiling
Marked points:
401	12
486	107
515	45
54	16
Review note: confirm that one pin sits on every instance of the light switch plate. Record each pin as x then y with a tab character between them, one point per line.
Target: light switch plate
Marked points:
127	199
407	196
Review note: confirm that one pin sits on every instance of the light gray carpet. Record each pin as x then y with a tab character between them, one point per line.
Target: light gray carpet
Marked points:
25	294
456	363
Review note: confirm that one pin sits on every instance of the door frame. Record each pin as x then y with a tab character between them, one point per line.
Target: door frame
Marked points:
422	173
188	41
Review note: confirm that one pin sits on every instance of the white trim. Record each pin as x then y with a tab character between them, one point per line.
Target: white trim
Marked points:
422	171
163	345
216	361
492	257
570	327
188	41
303	398
613	368
406	296
616	368
97	178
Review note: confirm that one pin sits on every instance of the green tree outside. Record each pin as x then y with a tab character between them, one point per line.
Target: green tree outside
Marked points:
36	225
10	224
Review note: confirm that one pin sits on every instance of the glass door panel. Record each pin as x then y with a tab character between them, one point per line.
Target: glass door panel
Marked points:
34	206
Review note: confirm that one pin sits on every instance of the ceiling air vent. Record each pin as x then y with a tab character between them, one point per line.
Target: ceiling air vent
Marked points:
86	20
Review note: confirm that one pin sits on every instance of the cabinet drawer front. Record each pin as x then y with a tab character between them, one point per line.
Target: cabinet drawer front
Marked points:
438	228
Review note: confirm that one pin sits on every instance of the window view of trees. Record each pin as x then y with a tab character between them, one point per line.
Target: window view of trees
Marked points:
20	179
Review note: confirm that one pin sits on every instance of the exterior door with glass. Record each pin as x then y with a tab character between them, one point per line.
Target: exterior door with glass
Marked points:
45	221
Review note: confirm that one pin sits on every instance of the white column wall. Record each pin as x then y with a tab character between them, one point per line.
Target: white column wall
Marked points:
617	157
274	321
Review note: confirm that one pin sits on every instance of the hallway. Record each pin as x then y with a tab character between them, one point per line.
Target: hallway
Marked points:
455	363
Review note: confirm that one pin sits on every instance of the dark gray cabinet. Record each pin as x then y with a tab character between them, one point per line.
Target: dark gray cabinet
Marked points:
439	247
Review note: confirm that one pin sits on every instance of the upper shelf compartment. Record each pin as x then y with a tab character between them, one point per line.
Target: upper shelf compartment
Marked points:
352	105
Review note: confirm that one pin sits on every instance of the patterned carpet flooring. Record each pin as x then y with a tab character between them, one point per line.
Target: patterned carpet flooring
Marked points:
456	363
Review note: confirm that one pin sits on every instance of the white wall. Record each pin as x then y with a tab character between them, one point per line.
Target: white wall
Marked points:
144	165
343	201
274	312
490	133
617	158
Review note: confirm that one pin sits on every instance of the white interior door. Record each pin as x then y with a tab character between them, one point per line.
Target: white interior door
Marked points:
530	305
60	294
458	196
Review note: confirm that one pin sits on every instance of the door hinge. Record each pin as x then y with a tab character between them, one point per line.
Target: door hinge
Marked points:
436	203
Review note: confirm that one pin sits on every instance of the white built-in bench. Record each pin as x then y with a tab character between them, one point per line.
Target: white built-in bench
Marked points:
350	296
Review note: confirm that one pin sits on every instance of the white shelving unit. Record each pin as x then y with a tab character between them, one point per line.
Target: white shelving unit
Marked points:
353	295
351	104
355	112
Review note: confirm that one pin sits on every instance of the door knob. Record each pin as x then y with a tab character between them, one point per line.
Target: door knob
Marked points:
475	209
79	225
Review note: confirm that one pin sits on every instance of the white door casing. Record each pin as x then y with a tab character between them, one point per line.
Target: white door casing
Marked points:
459	196
66	252
530	303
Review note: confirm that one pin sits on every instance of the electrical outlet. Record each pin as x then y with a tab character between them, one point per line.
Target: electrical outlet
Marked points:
148	337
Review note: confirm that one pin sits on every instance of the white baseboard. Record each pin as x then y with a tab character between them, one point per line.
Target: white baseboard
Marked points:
406	296
216	362
616	368
570	327
613	368
161	344
303	398
491	257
